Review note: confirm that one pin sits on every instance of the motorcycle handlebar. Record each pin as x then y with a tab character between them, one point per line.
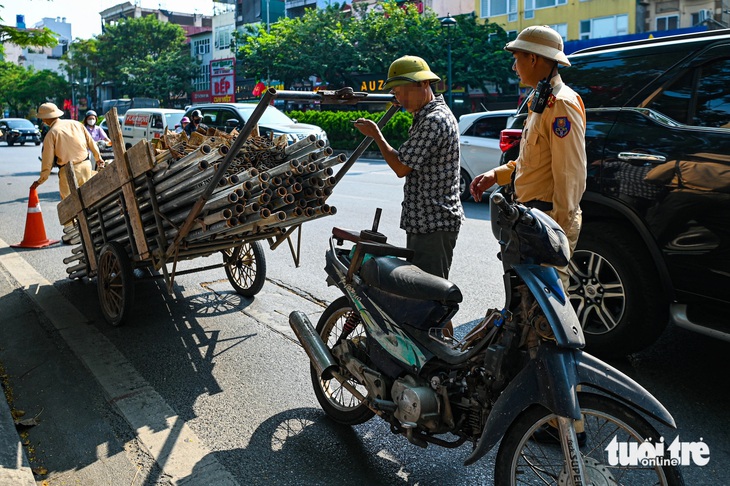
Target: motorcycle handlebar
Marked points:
510	210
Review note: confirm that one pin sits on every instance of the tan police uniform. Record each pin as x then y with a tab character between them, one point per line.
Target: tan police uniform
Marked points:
551	166
70	142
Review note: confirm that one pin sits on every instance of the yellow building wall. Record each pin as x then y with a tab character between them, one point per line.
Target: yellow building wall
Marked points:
571	13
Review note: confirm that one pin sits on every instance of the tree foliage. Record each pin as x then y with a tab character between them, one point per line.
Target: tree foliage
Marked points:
141	56
26	37
23	90
336	47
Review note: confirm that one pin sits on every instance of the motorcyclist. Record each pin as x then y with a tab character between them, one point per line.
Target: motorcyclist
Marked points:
195	117
97	133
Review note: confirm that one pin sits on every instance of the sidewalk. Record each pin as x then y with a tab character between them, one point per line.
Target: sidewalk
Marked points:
79	439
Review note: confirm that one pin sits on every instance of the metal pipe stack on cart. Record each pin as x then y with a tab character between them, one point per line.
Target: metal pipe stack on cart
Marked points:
214	192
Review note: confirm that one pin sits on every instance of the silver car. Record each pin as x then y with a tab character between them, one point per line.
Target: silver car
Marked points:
479	143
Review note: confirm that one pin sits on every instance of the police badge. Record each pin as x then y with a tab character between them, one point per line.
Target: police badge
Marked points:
561	126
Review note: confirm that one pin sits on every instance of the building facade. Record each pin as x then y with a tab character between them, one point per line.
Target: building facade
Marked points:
585	20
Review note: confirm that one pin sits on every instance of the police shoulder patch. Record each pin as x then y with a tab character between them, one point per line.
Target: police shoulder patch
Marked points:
561	126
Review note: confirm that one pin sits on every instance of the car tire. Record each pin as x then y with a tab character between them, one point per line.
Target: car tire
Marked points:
616	291
37	144
464	182
10	144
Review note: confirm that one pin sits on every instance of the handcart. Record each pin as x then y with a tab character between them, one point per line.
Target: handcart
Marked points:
215	192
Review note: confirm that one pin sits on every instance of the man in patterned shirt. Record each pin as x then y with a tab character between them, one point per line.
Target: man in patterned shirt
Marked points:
429	160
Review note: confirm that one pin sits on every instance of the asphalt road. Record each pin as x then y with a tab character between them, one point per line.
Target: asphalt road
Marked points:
230	367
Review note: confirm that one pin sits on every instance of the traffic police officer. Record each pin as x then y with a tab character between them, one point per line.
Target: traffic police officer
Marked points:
550	171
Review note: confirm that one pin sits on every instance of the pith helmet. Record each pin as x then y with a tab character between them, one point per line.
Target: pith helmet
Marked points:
540	40
409	69
49	110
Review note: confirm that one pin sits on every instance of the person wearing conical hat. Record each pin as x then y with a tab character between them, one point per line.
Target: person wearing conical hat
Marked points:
68	142
550	171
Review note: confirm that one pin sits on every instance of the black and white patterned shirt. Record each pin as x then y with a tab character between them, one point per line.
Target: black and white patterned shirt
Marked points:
431	192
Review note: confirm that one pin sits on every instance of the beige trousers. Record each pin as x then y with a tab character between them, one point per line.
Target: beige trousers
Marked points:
83	173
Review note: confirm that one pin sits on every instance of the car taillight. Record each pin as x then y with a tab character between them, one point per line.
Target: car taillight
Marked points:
508	138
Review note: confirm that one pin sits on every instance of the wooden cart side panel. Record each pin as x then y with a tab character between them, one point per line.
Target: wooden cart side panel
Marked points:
73	186
69	206
107	181
124	172
140	158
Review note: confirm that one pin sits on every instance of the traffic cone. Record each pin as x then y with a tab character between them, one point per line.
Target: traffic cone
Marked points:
35	231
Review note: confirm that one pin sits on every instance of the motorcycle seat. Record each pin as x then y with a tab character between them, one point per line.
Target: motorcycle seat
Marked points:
407	280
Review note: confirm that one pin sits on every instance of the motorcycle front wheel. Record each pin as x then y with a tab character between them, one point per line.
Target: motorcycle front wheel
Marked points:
339	321
524	459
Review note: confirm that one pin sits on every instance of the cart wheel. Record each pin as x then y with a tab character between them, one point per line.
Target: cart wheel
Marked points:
115	283
246	268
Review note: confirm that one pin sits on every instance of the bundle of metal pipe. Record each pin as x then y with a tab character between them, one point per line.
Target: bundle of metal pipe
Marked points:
266	187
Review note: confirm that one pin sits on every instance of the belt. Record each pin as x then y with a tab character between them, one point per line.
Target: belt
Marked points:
83	160
541	205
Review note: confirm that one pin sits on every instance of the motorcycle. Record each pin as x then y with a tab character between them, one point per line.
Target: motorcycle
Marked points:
518	376
105	150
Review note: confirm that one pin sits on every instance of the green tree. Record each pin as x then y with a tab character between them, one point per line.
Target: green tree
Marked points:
25	38
336	47
24	89
141	56
82	61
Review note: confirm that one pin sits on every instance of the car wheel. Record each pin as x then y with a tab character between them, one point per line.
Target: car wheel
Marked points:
37	144
616	291
464	182
10	144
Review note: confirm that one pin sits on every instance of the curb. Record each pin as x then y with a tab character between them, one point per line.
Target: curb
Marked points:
14	465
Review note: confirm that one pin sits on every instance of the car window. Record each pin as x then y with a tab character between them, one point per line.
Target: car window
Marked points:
595	81
20	124
173	119
709	108
210	117
157	121
487	127
226	115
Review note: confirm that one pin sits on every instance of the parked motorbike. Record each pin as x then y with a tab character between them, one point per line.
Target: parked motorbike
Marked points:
519	375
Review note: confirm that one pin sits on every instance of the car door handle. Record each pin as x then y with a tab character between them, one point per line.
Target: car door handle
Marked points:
639	157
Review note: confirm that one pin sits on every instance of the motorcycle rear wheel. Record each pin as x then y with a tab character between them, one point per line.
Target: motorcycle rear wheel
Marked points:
337	402
521	460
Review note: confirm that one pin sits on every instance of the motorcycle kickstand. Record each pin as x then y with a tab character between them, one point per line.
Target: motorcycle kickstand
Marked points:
571	451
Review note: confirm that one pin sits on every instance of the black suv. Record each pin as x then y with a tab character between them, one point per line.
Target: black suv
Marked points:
655	244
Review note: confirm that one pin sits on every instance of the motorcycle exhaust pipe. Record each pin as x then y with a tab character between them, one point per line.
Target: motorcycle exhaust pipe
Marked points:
316	349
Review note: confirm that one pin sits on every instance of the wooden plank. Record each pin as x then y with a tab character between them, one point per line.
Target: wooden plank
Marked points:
88	244
135	218
115	133
104	183
124	173
73	186
69	207
140	160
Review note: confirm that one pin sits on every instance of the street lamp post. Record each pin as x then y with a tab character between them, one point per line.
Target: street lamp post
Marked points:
448	23
74	108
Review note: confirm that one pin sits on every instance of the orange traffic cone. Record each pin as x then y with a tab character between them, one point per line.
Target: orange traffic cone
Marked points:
35	231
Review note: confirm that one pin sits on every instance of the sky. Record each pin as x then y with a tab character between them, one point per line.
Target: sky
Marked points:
83	15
